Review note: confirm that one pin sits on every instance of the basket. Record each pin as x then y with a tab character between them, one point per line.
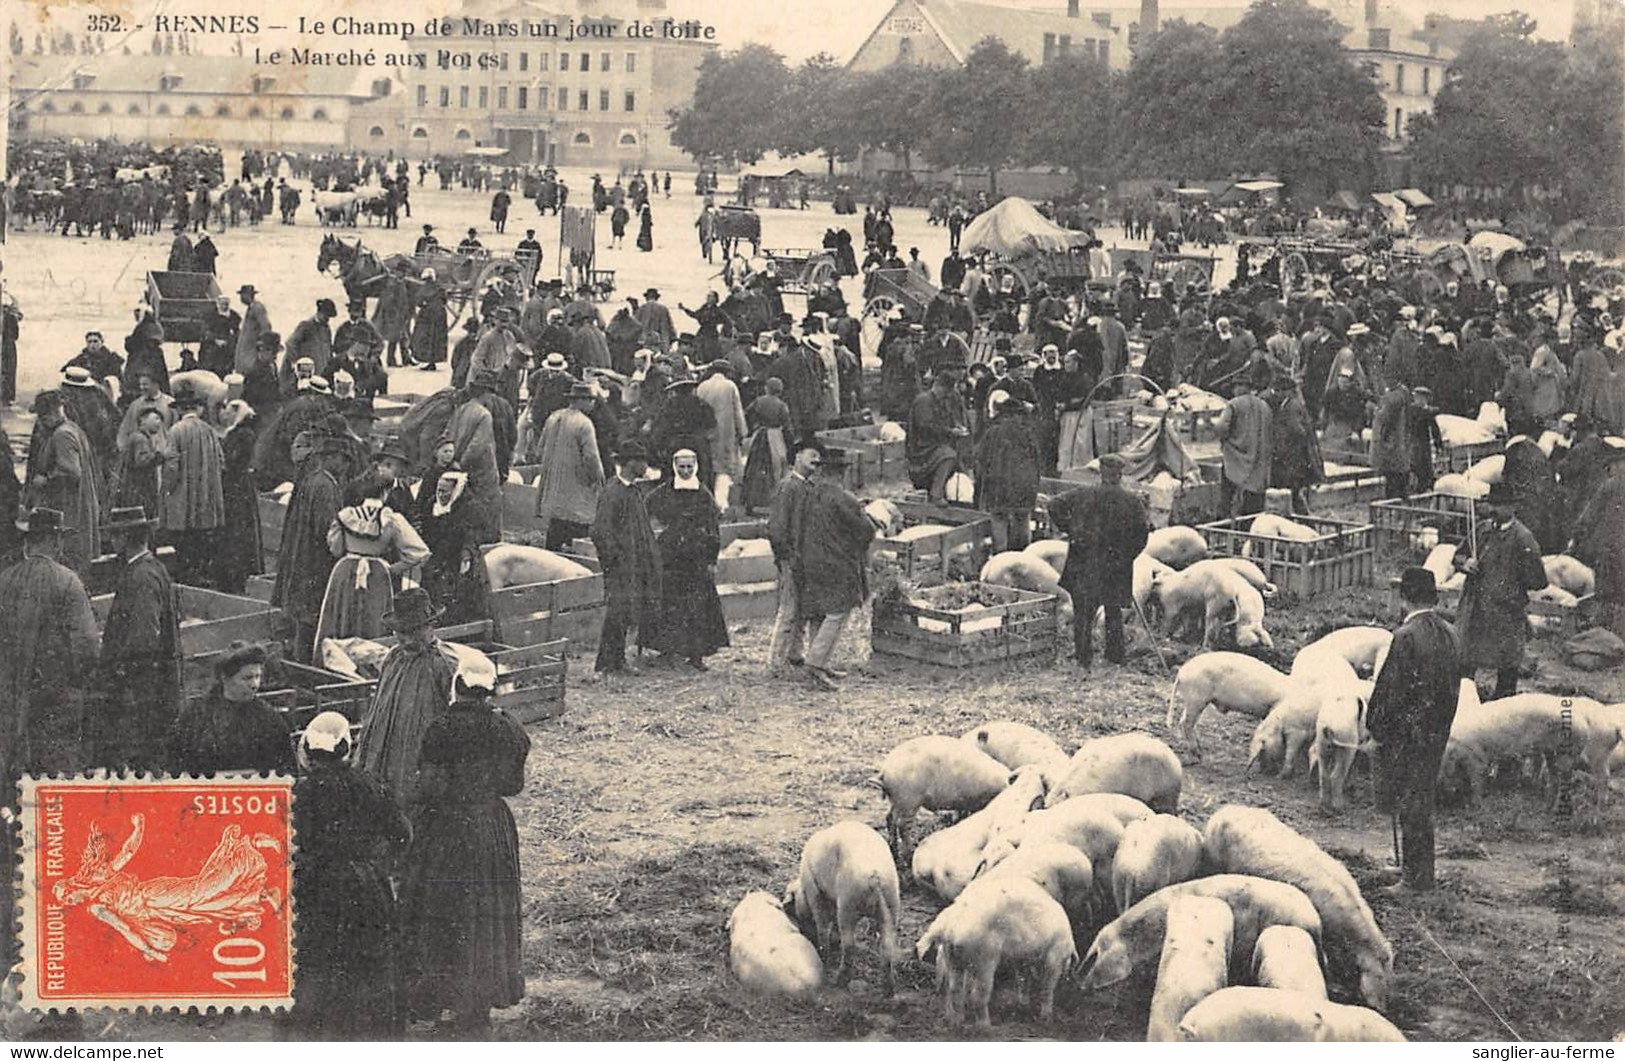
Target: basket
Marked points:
1341	555
928	560
1400	521
1020	625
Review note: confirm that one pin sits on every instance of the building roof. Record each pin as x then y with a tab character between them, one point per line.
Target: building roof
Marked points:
962	25
215	75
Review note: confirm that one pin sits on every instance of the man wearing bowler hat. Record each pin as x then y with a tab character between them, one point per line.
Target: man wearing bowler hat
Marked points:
414	687
141	658
1501	569
1411	709
256	322
655	318
625	540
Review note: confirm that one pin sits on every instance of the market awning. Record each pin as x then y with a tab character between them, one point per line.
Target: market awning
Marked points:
1414	197
1014	227
1259	186
1192	192
1345	200
486	152
1389	201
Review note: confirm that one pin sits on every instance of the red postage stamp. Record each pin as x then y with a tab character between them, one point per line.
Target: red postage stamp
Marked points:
157	893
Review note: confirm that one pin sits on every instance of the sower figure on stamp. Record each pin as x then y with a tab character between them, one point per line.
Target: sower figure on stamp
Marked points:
1412	707
350	830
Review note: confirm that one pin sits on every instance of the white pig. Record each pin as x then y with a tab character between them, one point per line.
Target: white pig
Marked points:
1014	743
768	953
1363	647
1570	574
1050	550
1229	681
1154	853
1135	764
1176	546
1266	1014
1285	957
996	922
937	773
1060	869
847	874
1525	724
1089	829
522	565
1195	962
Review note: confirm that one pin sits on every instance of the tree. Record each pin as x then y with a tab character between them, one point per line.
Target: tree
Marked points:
734	115
814	116
1165	105
1073	115
888	107
981	112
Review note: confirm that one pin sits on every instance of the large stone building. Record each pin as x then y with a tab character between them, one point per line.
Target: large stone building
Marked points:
942	33
602	100
219	99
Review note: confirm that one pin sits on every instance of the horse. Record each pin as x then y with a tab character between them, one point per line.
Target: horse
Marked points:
359	268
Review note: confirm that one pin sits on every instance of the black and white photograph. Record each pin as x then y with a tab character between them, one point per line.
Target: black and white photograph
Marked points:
875	521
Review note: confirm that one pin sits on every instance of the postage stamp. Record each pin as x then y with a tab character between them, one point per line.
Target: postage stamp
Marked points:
156	893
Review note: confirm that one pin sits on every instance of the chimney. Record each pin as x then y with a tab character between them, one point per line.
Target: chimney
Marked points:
1072	8
1370	13
1148	18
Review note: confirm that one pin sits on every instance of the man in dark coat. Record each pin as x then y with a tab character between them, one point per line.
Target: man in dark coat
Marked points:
1295	462
802	371
1599	539
1106	527
1007	469
141	656
1501	571
1529	474
95	357
936	424
1411	709
626	547
786	648
304	560
834	535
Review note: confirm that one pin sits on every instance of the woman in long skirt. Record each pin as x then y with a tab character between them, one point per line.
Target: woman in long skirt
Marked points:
767	459
691	621
460	896
646	228
455	573
374	544
239	554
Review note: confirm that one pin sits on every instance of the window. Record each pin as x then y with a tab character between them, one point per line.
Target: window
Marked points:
1377	39
420	133
77	107
523	96
581	101
541	62
485	97
376	132
1399	123
524	61
105	108
462	96
631	62
1089	48
502	63
135	108
629	139
586	62
382	86
256	112
287	114
423	95
318	115
1063	44
47	107
1427	77
1399	77
564	61
1105	54
631	102
163	108
193	111
905	49
222	111
464	134
583	137
564	99
603	62
502	96
1049	47
603	99
445	96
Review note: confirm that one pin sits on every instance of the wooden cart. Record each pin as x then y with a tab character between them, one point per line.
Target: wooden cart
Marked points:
182	303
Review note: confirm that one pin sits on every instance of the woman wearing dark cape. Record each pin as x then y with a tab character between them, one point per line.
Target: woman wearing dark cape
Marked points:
240	554
688	537
768	459
454	574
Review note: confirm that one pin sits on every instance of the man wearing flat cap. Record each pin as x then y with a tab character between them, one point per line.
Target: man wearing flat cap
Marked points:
1106	527
1412	707
312	338
572	471
655	319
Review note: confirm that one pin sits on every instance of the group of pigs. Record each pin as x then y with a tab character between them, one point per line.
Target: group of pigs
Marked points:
1052	848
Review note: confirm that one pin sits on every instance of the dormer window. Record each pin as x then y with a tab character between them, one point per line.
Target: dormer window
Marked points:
83	81
263	84
169	82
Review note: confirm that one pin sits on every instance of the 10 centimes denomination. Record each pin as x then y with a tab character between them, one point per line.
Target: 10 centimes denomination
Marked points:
157	893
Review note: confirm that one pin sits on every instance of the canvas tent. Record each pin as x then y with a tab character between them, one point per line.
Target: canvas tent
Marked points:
1015	227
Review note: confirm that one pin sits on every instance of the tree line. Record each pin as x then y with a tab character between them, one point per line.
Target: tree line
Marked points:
1277	92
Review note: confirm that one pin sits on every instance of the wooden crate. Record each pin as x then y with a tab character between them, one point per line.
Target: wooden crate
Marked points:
1548	618
530	678
1459	458
1399	522
210	623
1190	425
871	461
1188	505
1021	625
929	560
571	608
301	692
519	500
1342	555
731	570
273	517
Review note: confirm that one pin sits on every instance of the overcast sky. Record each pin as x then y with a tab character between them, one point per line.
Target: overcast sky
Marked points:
797	30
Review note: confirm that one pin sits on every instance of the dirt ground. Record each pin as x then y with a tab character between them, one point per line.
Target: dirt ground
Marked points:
654	803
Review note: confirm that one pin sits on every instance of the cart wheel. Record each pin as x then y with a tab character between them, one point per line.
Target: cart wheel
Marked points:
1191	279
1606	279
819	272
872	325
1294	272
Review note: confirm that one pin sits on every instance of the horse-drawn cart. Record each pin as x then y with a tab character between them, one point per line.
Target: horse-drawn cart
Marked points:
802	271
182	303
1179	274
463	276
